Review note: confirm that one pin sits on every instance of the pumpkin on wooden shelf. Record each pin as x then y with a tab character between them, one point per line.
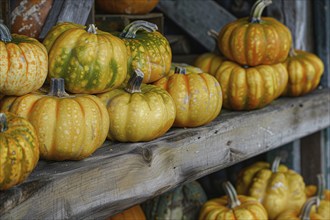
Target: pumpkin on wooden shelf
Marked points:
28	17
183	202
275	186
255	40
126	6
248	88
232	206
148	50
19	149
23	63
133	213
89	60
138	112
197	97
305	70
79	124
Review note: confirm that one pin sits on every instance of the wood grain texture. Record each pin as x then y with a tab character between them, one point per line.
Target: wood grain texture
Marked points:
119	175
197	18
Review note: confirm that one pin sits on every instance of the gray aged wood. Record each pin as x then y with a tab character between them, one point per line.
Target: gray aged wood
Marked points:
119	175
197	18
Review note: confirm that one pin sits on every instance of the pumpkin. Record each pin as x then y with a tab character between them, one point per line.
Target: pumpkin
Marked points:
68	127
197	97
28	17
23	63
19	150
319	190
248	88
133	213
90	61
275	186
305	70
138	112
304	213
255	40
126	6
209	62
148	50
189	68
183	202
232	206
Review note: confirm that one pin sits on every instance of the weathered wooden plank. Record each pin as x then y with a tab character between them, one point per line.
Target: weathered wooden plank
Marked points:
197	18
4	12
119	175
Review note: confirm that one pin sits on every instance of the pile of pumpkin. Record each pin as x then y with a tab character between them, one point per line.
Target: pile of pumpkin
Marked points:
263	191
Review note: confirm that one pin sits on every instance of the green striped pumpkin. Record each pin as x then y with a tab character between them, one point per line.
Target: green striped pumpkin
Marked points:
90	61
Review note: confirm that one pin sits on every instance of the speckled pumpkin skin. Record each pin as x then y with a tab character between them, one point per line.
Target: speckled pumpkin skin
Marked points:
89	63
23	65
68	128
209	62
250	88
19	151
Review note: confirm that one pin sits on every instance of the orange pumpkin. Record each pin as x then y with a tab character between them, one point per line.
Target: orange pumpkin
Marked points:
133	213
126	6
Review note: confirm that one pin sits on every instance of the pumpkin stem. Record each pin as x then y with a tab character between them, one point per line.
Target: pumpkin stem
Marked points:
276	164
320	186
134	83
135	26
5	35
92	29
233	201
179	70
57	88
212	33
257	9
306	209
3	122
292	52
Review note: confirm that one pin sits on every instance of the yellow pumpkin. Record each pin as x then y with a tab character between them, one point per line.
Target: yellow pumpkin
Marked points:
138	112
275	186
23	63
133	213
248	88
197	97
232	206
209	62
68	127
319	190
305	70
19	150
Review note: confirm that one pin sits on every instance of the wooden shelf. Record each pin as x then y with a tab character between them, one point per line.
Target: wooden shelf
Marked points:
119	175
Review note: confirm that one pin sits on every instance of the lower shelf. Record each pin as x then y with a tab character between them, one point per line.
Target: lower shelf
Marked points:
119	175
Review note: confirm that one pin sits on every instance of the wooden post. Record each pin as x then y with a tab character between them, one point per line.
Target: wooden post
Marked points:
4	12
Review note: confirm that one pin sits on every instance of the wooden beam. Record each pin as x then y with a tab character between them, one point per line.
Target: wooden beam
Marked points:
119	175
197	18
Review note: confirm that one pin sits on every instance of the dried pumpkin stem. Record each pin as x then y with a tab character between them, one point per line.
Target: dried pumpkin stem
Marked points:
131	29
134	83
233	200
57	88
292	52
92	29
276	164
257	9
179	70
320	186
3	122
306	209
212	33
5	35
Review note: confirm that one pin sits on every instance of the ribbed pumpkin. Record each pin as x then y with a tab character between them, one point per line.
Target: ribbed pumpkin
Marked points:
305	70
138	112
248	88
23	63
133	213
275	186
197	97
183	202
19	150
232	206
253	41
68	127
126	6
90	61
148	50
209	62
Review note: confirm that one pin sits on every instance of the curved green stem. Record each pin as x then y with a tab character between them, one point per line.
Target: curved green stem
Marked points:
233	200
306	209
92	29
57	88
3	122
276	164
134	83
5	35
179	70
320	186
131	29
257	9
